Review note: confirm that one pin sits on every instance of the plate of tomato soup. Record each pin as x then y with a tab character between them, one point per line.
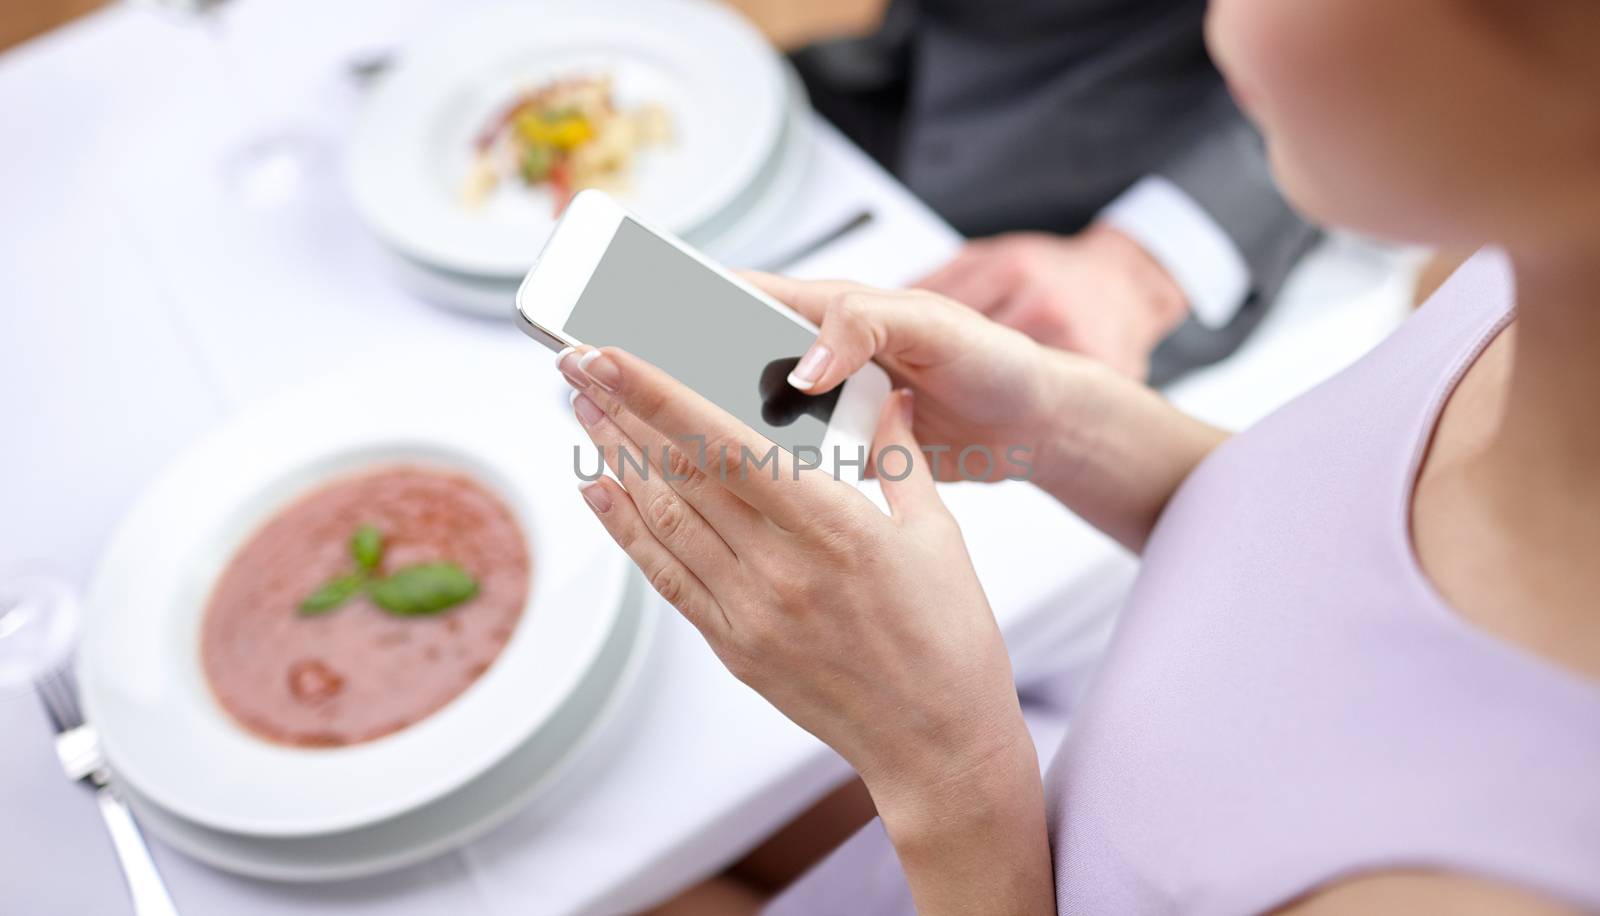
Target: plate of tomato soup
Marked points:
337	608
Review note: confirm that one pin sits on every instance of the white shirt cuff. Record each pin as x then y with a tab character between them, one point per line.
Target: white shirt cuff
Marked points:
1184	239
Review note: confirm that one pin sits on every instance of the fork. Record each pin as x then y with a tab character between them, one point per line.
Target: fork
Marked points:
78	749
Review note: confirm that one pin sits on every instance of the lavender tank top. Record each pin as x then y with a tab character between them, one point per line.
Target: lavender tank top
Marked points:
1287	700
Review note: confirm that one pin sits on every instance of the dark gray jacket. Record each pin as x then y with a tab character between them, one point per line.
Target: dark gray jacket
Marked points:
1012	115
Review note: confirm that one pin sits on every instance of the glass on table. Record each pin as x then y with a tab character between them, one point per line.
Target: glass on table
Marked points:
39	620
269	165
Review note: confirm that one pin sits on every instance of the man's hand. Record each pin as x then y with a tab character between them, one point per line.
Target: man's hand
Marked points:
1098	293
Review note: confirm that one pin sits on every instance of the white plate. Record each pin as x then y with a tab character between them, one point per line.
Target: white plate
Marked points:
720	80
141	679
581	734
764	213
727	234
485	297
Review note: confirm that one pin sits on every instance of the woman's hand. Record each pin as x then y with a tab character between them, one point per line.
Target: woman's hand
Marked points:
870	631
1107	446
983	389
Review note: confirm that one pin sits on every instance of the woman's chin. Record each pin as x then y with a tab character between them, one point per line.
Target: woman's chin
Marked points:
1336	201
1306	191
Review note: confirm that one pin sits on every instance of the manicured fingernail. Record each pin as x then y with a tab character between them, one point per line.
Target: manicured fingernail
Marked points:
908	406
811	367
589	413
600	369
567	362
596	496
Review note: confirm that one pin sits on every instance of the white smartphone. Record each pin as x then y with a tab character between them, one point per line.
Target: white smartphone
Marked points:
608	278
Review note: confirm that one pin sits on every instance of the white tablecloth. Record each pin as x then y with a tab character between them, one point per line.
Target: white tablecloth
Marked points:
141	307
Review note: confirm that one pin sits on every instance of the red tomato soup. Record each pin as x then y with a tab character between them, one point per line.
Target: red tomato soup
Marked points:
358	672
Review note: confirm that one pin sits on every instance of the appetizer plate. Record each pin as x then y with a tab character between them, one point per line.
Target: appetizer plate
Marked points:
761	212
574	741
139	665
756	212
486	297
719	81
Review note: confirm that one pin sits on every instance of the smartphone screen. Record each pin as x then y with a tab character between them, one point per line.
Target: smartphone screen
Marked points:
653	300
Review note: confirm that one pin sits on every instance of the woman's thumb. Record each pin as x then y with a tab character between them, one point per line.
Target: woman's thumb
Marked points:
898	461
857	326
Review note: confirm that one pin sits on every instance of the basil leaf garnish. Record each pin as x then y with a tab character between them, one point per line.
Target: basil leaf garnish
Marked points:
415	591
426	588
366	545
331	594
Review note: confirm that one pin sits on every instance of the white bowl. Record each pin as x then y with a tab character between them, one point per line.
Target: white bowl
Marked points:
575	742
139	667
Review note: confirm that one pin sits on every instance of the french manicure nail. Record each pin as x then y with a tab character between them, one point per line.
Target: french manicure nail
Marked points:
567	362
908	406
589	413
811	367
596	496
600	369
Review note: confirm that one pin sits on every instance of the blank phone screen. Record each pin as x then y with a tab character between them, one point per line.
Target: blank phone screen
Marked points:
658	303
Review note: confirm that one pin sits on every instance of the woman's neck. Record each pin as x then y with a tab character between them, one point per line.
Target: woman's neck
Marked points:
1545	454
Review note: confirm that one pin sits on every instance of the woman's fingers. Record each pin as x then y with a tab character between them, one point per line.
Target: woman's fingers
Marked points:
808	297
859	324
676	463
674	523
667	574
899	464
738	458
899	330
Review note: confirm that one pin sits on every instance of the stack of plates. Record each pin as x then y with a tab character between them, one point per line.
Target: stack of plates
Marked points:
739	119
555	695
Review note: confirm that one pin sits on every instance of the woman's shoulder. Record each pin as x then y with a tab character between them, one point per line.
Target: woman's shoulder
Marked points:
1401	893
1352	440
